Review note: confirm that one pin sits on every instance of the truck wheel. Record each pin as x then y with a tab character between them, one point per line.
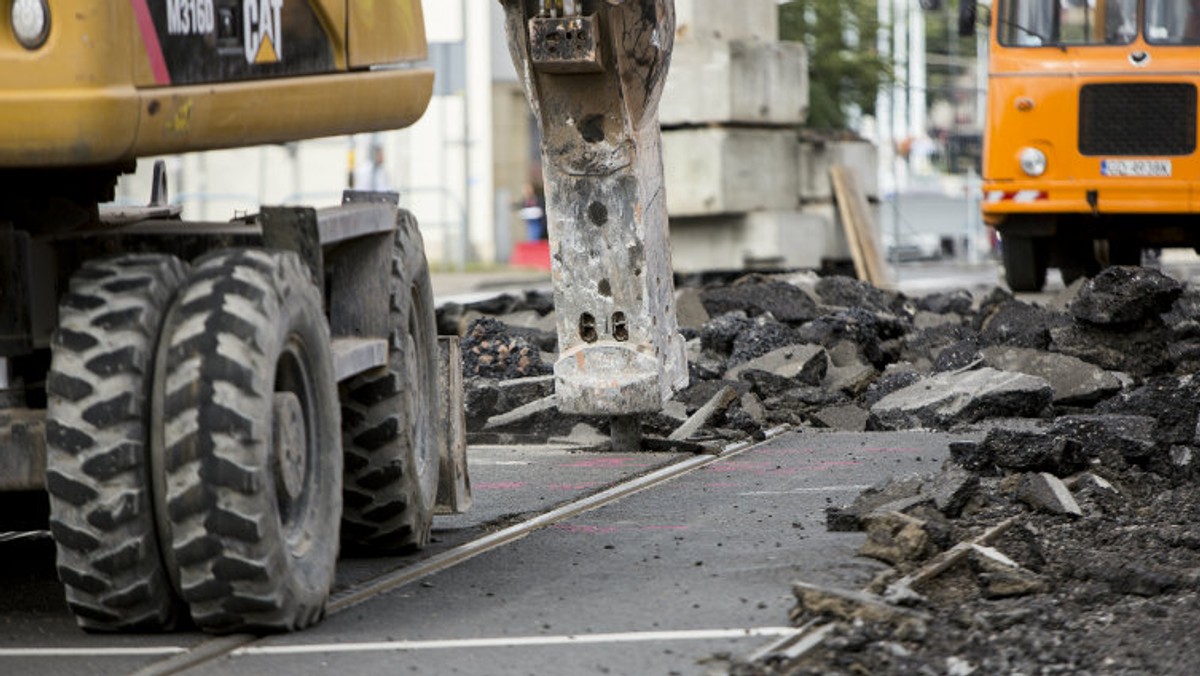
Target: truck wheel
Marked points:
388	423
97	442
1124	252
1025	262
1078	259
249	452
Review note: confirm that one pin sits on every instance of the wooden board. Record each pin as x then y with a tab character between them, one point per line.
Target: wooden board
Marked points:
856	223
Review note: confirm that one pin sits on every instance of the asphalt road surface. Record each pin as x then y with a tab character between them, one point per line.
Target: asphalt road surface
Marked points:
693	564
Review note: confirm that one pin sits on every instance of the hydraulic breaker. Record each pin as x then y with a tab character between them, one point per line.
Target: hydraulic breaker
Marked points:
593	71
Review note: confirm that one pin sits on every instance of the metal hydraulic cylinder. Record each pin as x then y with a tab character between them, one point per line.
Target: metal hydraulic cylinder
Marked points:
593	71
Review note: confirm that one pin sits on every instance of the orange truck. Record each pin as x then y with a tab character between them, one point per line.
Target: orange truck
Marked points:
1090	149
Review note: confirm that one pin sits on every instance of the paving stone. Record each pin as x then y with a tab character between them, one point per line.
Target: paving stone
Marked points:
1046	492
520	391
951	489
752	405
851	380
1021	450
1111	439
762	336
958	355
1139	350
522	413
947	399
1000	577
848	418
1020	324
1121	295
848	292
849	605
755	296
804	364
886	491
689	309
1073	380
928	320
957	302
1173	401
895	538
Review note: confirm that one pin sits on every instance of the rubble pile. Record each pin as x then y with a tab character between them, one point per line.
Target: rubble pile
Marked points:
833	352
1063	536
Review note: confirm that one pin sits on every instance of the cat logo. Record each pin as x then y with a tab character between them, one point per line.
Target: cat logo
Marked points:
263	31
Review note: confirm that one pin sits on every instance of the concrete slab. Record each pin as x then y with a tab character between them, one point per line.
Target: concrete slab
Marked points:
787	239
817	157
722	19
745	82
729	171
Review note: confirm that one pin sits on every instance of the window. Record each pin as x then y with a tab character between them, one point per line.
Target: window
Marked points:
1042	23
1173	22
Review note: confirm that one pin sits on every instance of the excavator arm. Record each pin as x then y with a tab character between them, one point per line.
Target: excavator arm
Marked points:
593	71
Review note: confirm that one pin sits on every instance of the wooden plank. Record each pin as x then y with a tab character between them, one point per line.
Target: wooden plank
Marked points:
860	231
837	176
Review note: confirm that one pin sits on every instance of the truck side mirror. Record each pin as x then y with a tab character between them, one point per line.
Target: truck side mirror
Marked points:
966	18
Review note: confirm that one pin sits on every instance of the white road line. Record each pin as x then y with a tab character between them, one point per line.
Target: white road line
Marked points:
385	646
92	652
515	641
814	489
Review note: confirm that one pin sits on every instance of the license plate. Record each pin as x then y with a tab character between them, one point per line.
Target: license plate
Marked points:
1136	168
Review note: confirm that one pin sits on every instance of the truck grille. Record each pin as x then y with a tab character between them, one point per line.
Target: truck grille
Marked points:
1137	119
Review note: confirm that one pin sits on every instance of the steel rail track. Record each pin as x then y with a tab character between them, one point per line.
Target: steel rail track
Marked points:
222	646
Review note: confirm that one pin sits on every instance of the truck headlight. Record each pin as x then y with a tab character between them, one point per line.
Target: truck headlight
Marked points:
1033	162
30	22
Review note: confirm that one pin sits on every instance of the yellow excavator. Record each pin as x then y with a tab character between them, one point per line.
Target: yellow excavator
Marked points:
215	410
211	407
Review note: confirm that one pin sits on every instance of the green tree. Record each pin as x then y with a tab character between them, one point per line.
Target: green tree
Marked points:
845	69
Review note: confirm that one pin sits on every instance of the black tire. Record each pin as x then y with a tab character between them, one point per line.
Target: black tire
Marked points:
1077	259
1025	262
250	447
97	443
389	426
1124	252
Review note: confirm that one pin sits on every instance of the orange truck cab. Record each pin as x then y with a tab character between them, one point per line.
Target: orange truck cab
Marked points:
1090	147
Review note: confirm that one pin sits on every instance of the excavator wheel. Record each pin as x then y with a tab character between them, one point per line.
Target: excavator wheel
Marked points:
389	431
249	457
97	439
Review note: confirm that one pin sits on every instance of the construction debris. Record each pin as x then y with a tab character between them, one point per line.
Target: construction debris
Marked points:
1071	495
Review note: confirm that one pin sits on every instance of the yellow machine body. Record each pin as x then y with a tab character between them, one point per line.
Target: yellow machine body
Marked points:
121	79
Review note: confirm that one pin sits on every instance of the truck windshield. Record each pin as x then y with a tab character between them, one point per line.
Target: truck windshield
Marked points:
1059	23
1173	22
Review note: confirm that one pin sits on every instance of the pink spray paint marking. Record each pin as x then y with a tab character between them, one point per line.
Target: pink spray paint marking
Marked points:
581	486
828	465
580	529
752	468
606	463
586	529
499	485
